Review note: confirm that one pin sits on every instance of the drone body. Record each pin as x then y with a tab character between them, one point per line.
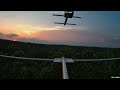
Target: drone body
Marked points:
67	14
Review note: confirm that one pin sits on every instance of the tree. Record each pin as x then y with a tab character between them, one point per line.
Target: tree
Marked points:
19	53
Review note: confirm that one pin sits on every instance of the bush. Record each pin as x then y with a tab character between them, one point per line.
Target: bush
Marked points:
0	53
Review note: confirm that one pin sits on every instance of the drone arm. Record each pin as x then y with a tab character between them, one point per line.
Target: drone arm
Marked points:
65	21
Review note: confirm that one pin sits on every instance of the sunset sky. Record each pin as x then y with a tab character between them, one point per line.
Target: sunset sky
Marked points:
96	28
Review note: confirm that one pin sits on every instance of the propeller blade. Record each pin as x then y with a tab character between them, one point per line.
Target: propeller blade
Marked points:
63	23
70	24
58	23
76	17
57	15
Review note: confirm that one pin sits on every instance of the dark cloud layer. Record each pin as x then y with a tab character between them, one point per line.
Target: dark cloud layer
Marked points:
80	38
70	37
11	35
2	36
8	36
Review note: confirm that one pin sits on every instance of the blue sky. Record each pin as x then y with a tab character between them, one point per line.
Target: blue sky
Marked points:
96	28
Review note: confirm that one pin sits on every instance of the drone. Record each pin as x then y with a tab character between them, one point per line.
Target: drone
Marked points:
67	14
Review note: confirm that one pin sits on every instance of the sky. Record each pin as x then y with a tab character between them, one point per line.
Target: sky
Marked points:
95	28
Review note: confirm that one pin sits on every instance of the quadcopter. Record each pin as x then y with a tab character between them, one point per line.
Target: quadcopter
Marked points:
67	14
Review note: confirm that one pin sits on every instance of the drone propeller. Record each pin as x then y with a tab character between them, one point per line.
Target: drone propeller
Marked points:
70	24
76	17
63	23
57	15
58	23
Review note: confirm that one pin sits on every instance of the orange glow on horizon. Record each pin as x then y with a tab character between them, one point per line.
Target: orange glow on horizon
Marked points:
14	40
41	32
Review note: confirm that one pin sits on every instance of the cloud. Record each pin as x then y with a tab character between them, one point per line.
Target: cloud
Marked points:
115	40
79	37
69	37
29	29
8	36
66	35
2	36
33	40
11	35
